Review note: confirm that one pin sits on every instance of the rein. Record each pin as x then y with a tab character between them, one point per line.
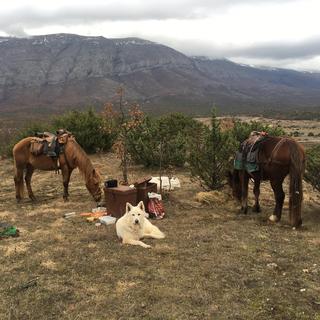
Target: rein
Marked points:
64	153
66	159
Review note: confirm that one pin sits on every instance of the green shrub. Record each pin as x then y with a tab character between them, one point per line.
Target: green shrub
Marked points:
312	173
88	128
28	131
211	153
162	139
241	130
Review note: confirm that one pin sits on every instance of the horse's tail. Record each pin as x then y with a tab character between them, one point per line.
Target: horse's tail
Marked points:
296	171
18	177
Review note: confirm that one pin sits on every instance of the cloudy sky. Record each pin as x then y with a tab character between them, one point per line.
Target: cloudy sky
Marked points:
275	33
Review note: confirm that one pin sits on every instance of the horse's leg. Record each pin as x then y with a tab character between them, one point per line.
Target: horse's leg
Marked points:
27	178
256	191
279	197
244	195
66	173
18	182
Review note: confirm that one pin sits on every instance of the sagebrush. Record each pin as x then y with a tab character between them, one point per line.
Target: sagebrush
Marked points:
88	128
312	173
165	139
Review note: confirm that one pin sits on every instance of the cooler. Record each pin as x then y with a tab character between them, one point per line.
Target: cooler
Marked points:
116	199
143	187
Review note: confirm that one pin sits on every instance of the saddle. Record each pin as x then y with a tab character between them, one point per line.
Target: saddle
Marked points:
48	144
44	143
247	155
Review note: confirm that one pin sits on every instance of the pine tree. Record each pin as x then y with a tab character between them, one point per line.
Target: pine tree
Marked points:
210	154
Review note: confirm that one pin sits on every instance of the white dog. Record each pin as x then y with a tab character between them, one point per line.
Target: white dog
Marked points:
134	226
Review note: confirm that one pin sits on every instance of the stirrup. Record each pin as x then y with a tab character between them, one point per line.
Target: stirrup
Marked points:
56	165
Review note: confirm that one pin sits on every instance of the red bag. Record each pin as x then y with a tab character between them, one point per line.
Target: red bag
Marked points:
155	208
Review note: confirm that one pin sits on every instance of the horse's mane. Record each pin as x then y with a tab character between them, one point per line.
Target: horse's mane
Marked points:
81	159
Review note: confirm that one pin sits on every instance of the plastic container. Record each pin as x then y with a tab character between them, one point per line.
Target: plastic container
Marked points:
107	220
99	209
116	199
111	183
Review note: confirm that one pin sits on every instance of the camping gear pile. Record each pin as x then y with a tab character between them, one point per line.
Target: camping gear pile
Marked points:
117	196
142	190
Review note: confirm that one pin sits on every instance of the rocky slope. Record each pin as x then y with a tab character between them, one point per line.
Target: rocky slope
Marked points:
52	72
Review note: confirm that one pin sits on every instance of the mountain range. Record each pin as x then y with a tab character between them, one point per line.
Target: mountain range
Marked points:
51	73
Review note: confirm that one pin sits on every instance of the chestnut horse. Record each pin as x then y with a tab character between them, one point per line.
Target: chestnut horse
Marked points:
277	158
73	156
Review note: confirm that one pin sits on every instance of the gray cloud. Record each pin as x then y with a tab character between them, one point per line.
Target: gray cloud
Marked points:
14	30
15	22
290	50
307	48
29	16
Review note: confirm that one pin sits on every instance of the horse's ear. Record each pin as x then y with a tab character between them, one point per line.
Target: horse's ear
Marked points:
60	132
128	207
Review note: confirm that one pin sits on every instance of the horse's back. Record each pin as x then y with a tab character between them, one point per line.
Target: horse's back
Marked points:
277	156
279	149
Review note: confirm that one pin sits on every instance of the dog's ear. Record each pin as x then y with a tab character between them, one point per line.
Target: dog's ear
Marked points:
128	207
141	206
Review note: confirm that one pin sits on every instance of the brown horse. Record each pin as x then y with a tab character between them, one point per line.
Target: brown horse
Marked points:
72	157
277	158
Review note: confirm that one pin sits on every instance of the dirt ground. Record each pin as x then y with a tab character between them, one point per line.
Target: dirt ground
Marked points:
304	131
213	264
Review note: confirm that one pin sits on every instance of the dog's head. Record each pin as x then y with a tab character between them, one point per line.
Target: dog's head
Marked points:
135	214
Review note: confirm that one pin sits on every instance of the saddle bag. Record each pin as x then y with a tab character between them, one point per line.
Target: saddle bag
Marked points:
252	156
37	147
238	161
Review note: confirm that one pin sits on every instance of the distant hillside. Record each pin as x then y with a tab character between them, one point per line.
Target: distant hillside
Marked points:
53	72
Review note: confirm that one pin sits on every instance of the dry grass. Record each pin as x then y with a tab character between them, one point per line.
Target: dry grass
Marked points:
214	263
303	127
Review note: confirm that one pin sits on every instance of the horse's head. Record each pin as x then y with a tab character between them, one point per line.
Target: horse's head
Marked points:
235	183
63	136
93	185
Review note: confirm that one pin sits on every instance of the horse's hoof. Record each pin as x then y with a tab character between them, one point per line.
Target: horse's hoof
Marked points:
243	210
297	225
274	218
65	199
